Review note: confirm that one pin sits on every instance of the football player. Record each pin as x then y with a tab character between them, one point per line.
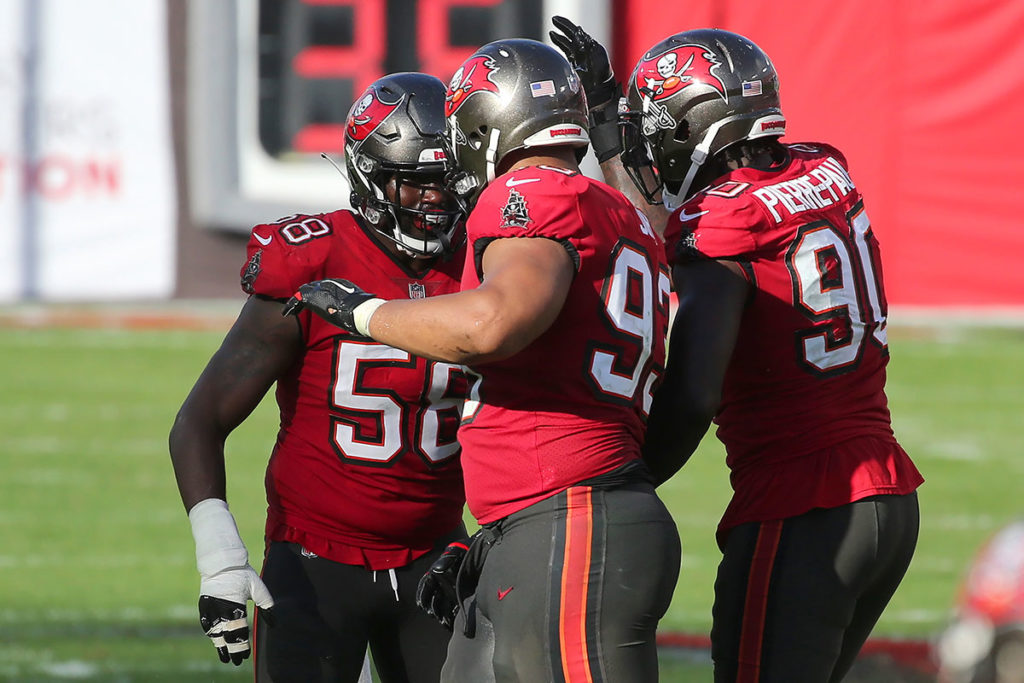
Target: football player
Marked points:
780	338
364	484
562	318
984	643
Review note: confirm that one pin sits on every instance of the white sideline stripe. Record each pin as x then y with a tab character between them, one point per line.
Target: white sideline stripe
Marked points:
956	316
692	560
78	670
933	565
73	668
959	451
916	616
31	445
364	675
964	522
34	444
182	612
102	338
61	412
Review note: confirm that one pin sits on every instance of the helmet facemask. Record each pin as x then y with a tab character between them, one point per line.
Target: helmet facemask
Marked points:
413	209
638	157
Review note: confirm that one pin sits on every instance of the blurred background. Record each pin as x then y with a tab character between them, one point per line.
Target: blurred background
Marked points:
141	139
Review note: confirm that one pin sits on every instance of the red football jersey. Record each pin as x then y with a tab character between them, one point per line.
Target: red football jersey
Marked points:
808	371
572	404
366	466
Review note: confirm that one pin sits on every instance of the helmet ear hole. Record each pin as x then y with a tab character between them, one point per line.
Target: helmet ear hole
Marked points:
367	164
476	137
682	133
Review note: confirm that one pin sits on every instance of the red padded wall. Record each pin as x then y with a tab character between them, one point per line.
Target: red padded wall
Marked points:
926	99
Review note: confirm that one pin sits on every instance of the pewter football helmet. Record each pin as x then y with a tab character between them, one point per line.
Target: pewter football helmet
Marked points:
689	97
511	95
396	130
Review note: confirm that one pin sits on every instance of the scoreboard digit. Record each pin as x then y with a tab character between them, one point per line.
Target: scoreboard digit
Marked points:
270	83
316	56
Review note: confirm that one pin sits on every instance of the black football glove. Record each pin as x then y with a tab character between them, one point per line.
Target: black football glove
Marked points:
225	623
590	61
436	593
335	301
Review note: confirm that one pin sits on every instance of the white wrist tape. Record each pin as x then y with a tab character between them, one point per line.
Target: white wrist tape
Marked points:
218	543
362	313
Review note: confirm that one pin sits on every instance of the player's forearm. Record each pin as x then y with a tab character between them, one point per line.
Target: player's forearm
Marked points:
677	424
665	454
465	328
197	455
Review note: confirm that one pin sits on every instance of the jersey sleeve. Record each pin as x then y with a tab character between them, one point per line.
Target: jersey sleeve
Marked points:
531	203
528	206
713	227
280	257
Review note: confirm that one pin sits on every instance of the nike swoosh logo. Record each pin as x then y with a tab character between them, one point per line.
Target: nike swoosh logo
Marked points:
683	216
512	182
503	593
261	239
347	290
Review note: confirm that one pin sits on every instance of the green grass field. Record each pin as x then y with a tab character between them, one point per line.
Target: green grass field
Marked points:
97	576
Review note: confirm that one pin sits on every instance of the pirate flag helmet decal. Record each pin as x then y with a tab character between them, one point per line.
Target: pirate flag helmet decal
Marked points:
472	78
665	74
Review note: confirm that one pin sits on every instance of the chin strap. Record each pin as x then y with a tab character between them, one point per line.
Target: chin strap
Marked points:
674	200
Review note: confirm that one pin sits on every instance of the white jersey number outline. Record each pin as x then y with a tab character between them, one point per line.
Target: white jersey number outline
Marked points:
351	397
635	321
837	284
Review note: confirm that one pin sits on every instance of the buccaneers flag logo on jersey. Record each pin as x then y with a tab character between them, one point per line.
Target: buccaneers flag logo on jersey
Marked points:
473	77
367	115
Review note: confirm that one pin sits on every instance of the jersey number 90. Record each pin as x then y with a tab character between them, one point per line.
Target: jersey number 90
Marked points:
837	284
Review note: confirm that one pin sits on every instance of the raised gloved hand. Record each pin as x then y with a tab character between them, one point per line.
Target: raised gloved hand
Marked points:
590	61
436	593
339	302
227	581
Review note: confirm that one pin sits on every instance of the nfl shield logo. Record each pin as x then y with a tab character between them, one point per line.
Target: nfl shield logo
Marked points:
417	291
